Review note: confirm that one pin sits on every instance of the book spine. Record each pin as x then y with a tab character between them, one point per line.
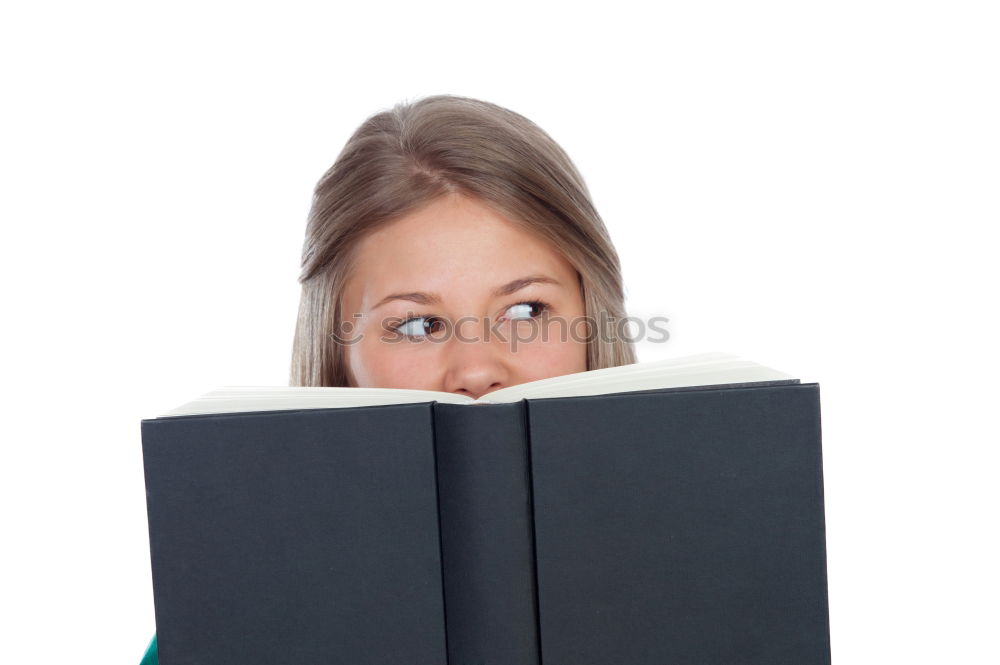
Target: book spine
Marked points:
486	526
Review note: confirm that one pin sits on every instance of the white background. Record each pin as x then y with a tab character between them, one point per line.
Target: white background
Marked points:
810	185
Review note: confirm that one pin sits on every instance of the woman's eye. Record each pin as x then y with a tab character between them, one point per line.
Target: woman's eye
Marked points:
420	326
525	310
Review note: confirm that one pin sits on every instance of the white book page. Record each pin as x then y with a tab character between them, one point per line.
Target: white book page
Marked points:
701	370
715	368
280	398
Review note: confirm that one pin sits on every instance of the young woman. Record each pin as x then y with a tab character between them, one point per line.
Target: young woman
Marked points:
453	246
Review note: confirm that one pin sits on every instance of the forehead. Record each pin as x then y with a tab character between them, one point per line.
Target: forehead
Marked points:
457	247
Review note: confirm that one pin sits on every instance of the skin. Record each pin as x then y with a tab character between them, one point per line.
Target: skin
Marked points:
445	262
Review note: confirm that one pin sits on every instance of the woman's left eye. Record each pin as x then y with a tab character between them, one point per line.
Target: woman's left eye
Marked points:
525	310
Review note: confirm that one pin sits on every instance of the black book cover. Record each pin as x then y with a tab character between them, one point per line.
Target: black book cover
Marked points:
683	527
296	537
486	533
680	526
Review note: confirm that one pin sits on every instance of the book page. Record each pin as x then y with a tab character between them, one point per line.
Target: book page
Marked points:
715	368
239	399
705	369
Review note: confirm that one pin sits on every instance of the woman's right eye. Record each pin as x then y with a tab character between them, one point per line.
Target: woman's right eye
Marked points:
420	326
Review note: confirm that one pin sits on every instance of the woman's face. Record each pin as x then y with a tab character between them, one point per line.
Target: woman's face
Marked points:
455	298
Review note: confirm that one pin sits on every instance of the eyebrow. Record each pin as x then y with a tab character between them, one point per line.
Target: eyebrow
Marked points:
513	286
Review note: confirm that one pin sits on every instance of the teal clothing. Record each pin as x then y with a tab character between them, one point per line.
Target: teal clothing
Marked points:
151	657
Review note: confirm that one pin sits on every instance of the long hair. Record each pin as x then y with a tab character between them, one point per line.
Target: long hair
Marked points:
400	160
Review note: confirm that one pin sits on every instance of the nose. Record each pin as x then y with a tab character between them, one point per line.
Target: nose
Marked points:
475	368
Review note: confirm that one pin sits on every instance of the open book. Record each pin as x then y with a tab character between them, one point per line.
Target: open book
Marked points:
704	369
664	512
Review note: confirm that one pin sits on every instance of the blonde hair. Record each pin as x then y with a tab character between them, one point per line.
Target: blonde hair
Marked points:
398	161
